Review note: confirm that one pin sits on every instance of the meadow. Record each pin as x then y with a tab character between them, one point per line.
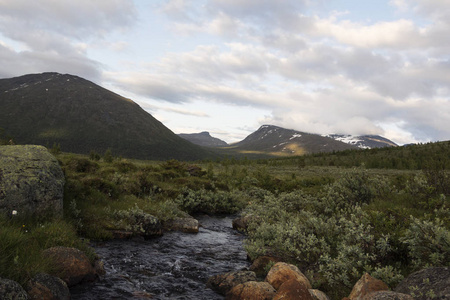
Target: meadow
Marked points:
335	216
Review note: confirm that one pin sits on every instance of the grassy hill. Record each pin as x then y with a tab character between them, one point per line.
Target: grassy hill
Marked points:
81	116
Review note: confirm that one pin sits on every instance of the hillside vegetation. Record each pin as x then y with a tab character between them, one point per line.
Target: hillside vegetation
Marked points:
80	117
333	215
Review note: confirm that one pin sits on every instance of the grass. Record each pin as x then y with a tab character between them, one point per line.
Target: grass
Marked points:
22	242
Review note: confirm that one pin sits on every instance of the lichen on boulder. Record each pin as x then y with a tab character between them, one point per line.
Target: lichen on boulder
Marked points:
31	182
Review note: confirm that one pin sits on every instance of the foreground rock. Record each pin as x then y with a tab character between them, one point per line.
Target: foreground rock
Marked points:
73	266
293	289
241	223
11	290
426	284
48	287
366	285
223	283
252	290
282	272
31	182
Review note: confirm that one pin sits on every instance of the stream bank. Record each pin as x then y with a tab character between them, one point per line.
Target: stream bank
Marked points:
174	266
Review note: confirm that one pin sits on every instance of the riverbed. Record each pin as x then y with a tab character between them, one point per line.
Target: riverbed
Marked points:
174	266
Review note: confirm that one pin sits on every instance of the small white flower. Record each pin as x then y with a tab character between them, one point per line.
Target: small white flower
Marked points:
14	212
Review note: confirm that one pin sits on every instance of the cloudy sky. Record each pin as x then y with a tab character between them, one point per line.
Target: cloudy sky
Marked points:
229	66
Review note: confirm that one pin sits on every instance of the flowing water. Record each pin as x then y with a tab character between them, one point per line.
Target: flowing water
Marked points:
174	266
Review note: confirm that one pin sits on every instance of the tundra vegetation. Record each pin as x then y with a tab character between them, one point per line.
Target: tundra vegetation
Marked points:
335	216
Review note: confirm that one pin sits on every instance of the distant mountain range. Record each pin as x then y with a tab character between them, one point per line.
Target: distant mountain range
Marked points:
81	116
203	139
274	140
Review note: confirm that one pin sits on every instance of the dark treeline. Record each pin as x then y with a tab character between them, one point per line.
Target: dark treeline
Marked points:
411	157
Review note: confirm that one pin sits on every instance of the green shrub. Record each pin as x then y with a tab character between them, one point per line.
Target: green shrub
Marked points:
207	201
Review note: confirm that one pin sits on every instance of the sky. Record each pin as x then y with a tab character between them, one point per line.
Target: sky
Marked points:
229	66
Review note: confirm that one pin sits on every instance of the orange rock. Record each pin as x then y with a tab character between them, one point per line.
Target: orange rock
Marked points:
73	266
366	285
282	272
252	290
293	290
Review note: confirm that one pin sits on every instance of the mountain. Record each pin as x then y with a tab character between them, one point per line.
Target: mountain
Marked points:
275	140
81	116
203	139
364	141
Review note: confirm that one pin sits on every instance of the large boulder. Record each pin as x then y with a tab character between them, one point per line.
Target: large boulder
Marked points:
47	287
282	272
252	290
366	285
31	182
11	290
293	289
223	283
72	265
427	283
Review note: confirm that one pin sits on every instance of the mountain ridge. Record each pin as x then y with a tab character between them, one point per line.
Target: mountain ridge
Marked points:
204	139
81	116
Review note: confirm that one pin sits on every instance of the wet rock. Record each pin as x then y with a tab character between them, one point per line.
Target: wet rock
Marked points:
188	225
318	295
223	283
293	289
427	283
282	272
11	290
47	287
252	290
31	182
387	295
73	266
366	285
241	223
259	264
99	267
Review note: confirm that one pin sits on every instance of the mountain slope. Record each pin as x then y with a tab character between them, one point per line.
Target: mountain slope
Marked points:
280	141
82	116
203	139
364	141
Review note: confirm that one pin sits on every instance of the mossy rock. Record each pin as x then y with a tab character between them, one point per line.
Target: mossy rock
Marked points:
31	182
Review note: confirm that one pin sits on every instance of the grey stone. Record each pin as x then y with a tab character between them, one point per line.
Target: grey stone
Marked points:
11	290
31	182
426	283
48	287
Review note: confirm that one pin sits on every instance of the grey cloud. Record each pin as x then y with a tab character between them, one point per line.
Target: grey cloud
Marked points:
77	19
54	34
19	63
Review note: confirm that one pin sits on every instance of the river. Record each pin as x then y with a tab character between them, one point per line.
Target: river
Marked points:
174	266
